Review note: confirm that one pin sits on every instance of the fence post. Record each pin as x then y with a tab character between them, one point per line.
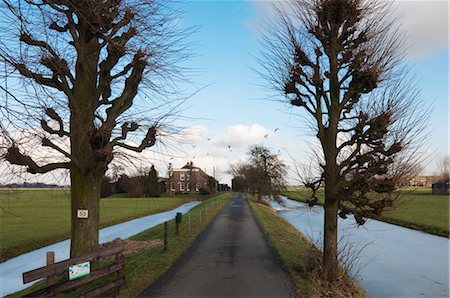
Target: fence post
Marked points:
165	236
50	260
189	221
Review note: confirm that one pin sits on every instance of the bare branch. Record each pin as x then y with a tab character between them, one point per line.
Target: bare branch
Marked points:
15	157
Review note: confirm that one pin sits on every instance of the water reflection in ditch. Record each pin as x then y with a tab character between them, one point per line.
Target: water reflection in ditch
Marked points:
396	261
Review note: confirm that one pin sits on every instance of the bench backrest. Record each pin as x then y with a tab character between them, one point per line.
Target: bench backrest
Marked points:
63	266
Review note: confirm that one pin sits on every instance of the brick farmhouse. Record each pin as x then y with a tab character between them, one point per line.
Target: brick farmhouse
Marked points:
190	179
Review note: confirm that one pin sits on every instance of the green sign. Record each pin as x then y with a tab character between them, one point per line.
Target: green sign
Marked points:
79	270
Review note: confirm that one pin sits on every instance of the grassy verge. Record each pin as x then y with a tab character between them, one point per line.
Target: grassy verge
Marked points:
300	258
32	218
142	269
290	245
417	209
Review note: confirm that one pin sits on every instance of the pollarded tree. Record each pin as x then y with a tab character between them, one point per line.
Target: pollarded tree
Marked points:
340	61
153	184
263	174
86	64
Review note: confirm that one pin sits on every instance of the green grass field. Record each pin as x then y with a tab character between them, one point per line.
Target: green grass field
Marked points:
32	218
143	268
416	209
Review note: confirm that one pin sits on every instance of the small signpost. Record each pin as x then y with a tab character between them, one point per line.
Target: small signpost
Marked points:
79	270
82	213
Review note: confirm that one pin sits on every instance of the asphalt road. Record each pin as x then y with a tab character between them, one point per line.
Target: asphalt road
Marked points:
230	258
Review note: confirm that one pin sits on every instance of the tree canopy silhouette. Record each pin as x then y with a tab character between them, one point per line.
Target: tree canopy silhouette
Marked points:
340	61
76	69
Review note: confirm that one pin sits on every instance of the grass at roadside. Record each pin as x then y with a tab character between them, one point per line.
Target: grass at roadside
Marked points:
142	269
290	245
32	218
300	258
417	209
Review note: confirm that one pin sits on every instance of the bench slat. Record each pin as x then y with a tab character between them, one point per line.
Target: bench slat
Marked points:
62	266
96	292
62	287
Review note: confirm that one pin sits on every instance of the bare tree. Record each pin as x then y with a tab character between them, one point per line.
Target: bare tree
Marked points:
75	70
340	61
444	168
263	174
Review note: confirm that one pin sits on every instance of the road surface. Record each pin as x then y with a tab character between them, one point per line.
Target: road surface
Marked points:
230	258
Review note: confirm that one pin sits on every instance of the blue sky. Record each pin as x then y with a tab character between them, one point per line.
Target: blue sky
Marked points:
237	102
233	109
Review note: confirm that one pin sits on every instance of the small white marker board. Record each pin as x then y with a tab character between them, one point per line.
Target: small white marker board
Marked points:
79	270
81	213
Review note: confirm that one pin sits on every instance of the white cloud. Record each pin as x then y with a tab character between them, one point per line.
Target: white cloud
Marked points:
238	135
188	135
426	24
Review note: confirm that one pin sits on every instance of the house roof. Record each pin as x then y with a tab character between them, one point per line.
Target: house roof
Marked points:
189	166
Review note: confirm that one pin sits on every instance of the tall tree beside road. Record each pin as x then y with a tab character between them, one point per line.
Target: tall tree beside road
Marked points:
340	62
263	174
77	70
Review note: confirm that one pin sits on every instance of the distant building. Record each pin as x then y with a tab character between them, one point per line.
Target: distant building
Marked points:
236	184
425	181
223	187
190	179
440	188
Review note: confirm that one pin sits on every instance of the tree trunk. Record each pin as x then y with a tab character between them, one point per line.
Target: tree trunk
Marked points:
330	236
85	195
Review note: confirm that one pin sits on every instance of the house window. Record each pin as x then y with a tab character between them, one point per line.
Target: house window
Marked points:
181	176
172	186
188	186
181	186
188	177
197	187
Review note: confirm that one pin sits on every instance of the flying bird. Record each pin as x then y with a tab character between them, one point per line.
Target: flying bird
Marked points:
266	135
276	129
209	139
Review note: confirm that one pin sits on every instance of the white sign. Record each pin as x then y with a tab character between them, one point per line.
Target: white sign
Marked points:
79	270
82	213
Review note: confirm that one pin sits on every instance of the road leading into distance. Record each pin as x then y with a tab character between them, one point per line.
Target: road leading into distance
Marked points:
230	258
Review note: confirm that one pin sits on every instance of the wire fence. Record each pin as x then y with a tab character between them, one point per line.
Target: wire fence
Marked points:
173	235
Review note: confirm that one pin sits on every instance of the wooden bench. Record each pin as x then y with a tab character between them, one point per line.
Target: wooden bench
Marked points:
50	271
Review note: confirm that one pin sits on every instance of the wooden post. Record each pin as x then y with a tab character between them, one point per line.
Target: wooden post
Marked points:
50	260
189	221
120	259
165	236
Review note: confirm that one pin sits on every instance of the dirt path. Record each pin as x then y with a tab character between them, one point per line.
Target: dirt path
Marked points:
230	258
